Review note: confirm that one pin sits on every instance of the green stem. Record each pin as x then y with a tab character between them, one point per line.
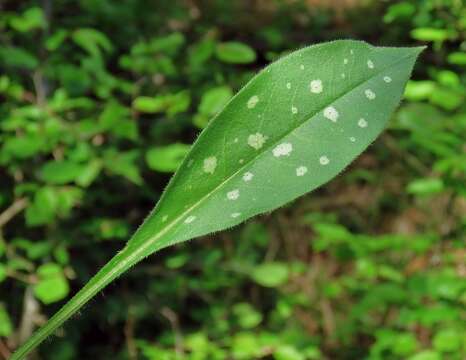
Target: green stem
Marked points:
114	268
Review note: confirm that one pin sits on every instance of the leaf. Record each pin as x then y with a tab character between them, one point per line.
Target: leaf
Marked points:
61	172
214	100
167	158
171	103
425	186
30	19
432	34
271	274
6	327
17	57
92	41
292	128
457	58
235	53
52	285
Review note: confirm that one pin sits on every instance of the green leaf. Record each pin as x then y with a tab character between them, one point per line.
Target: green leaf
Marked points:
432	34
171	103
61	172
52	285
457	58
30	19
6	327
92	41
235	53
43	208
271	274
3	272
17	57
425	186
292	128
214	100
167	158
247	316
447	340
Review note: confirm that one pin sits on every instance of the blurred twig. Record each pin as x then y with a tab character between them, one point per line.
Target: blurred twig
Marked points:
173	319
30	316
129	335
5	353
10	212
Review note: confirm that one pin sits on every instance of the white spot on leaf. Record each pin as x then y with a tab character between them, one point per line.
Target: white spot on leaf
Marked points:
369	94
302	67
256	140
236	140
370	64
362	123
248	176
283	149
235	215
345	61
316	86
252	102
331	113
387	79
294	109
343	75
164	218
300	171
352	139
210	164
233	195
288	85
324	160
190	219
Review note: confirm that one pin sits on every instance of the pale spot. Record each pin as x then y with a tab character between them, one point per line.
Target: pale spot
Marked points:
351	51
190	163
300	171
387	79
248	176
316	86
190	219
256	140
252	102
236	140
324	160
164	218
241	161
362	123
294	109
301	67
283	149
370	64
233	195
210	164
352	139
343	75
369	94
288	85
331	113
235	215
345	61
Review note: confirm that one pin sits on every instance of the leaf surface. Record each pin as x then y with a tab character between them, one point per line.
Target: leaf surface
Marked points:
292	128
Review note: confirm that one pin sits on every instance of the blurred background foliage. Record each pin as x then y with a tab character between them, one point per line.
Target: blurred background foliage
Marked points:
99	102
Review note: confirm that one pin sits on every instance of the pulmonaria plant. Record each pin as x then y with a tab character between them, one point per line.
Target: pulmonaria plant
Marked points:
292	128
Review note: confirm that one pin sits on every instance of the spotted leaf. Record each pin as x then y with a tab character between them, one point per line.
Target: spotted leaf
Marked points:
292	128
